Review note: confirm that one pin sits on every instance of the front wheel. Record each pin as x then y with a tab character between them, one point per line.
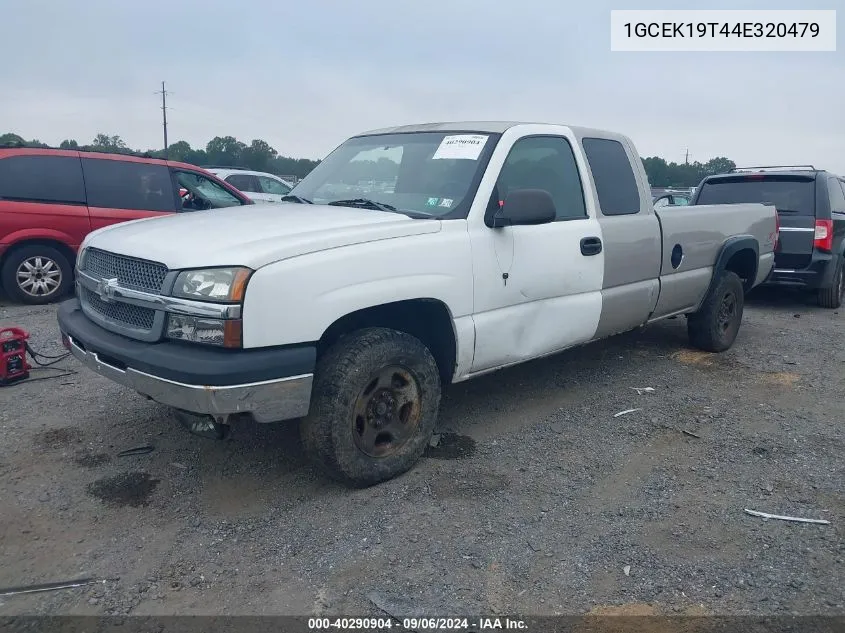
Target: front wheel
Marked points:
375	401
714	327
36	274
832	297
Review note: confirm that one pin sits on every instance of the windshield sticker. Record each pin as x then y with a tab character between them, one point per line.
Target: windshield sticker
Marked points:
432	202
461	146
446	202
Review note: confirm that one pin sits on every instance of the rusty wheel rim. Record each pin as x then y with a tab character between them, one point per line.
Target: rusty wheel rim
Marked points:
387	412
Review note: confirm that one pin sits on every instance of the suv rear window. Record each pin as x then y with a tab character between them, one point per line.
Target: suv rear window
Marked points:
789	194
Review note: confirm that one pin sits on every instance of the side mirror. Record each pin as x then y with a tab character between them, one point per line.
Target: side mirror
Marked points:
524	207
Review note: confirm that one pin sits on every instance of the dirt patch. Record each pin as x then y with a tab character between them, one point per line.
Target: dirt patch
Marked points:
631	608
694	357
780	378
91	460
55	439
125	489
451	446
638	617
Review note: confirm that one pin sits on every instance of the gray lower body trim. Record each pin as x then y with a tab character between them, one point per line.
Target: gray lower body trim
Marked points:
626	307
269	401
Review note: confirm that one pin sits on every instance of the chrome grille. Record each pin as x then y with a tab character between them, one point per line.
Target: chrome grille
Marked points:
121	313
138	274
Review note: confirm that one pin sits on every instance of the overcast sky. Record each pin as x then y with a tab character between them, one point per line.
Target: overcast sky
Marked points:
305	75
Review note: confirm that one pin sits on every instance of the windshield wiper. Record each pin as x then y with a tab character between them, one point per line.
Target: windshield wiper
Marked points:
297	199
364	202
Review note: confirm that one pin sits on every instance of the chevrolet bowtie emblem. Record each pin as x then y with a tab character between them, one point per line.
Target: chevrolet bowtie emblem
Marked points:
106	289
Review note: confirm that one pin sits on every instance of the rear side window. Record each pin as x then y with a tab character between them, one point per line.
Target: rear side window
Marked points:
243	182
56	179
117	184
837	199
789	194
616	184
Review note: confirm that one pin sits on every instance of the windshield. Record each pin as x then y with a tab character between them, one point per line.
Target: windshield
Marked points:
428	173
795	194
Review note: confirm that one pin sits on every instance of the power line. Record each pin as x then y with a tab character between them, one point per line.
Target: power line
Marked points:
163	93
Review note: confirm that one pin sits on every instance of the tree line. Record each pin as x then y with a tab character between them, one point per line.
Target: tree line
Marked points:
260	156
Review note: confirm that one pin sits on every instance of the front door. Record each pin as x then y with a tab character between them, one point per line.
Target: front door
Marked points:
537	288
273	189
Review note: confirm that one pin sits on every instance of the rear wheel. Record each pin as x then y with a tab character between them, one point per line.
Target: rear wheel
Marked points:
832	297
36	274
374	406
715	326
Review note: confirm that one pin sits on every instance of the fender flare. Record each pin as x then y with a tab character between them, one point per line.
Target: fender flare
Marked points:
730	248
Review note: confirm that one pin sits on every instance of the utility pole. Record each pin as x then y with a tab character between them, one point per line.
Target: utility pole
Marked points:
163	94
686	157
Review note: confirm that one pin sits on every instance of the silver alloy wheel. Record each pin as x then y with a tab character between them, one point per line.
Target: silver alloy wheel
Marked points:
39	276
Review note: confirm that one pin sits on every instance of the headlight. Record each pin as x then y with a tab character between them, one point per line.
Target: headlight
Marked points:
226	333
80	259
212	284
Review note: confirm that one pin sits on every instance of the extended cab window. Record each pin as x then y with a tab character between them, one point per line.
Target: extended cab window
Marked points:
118	184
56	179
616	184
548	163
789	194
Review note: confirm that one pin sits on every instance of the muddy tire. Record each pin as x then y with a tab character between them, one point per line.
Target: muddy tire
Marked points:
374	405
36	274
832	297
716	324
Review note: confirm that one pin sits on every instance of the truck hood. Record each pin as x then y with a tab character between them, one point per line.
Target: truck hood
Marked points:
254	235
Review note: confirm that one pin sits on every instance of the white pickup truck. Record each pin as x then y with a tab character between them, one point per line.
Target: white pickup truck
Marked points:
410	258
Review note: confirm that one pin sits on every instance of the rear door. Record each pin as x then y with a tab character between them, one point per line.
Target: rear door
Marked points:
631	232
120	190
793	195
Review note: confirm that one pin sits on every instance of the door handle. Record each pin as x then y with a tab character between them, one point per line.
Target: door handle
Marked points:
590	246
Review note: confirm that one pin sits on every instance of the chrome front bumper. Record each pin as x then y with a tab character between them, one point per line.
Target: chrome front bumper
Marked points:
268	401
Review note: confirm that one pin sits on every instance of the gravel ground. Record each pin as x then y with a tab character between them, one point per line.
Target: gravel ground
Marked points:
537	500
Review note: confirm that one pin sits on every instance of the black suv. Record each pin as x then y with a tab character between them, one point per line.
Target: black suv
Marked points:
811	211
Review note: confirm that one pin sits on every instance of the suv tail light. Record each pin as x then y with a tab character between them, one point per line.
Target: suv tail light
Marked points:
823	237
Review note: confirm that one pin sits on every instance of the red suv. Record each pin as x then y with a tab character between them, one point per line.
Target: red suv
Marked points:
51	199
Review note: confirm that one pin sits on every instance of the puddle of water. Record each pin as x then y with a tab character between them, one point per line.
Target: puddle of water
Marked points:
125	489
451	446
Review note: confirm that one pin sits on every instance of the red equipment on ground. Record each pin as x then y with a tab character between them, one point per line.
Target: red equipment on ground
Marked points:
13	349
